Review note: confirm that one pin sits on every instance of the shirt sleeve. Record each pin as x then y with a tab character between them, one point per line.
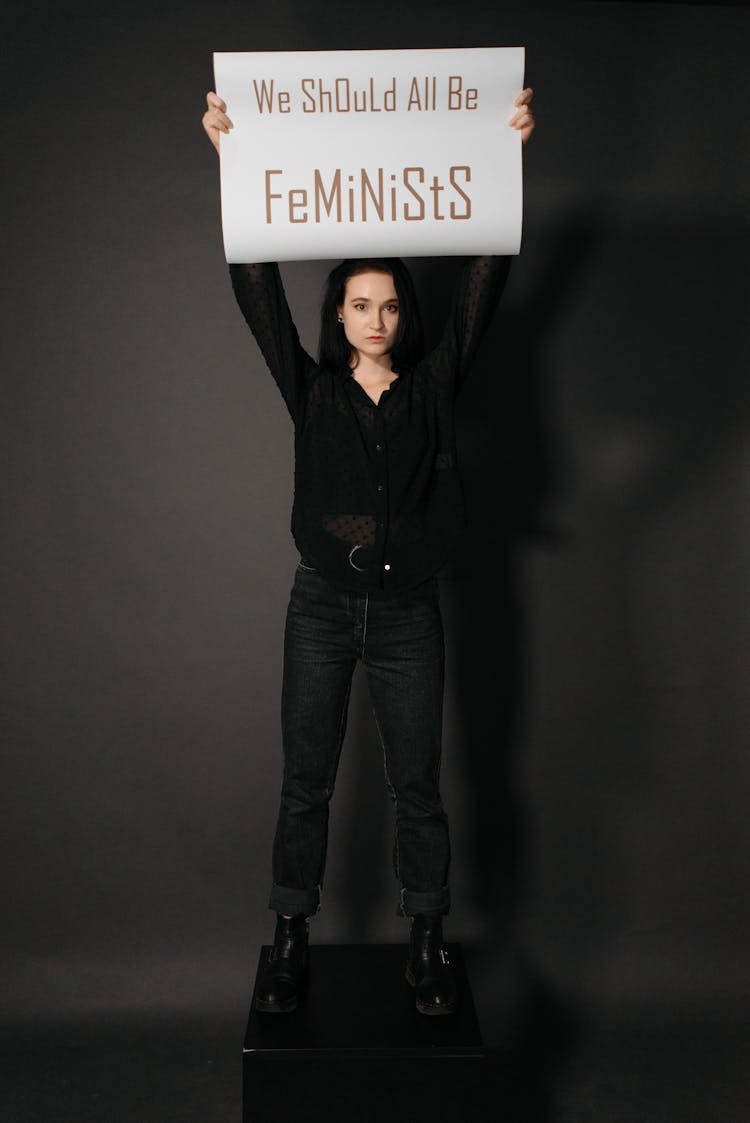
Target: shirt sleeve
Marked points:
260	295
476	297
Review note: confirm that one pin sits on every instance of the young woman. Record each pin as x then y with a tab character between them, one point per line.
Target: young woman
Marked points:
377	505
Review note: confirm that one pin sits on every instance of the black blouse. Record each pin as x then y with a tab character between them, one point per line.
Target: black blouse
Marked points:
377	496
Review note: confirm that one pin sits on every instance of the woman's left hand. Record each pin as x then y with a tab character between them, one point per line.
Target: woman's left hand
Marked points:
523	119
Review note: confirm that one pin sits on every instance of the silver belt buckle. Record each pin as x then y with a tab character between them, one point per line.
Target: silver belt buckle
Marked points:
352	563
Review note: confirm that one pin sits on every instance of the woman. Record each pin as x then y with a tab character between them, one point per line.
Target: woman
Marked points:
377	505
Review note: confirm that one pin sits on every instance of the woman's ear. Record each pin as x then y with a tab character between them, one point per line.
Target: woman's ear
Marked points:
339	315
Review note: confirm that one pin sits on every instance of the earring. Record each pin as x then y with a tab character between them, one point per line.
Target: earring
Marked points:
341	319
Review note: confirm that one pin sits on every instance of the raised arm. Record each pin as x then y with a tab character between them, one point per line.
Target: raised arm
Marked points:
479	287
260	295
478	290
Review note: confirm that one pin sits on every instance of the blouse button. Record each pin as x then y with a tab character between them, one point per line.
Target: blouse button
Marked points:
386	567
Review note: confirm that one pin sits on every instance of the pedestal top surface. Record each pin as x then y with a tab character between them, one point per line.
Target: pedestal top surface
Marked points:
358	1001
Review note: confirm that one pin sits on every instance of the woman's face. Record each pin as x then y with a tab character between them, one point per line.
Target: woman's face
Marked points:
370	313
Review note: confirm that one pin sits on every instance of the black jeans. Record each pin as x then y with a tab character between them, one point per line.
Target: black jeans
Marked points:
399	639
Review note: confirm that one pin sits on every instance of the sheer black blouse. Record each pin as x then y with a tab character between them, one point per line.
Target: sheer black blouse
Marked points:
377	496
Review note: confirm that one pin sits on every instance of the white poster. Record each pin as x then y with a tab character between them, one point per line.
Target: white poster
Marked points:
362	153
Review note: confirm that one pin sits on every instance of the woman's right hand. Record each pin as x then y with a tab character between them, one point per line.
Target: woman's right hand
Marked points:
215	120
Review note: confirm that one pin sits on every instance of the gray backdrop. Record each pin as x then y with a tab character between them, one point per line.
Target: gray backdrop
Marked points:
597	611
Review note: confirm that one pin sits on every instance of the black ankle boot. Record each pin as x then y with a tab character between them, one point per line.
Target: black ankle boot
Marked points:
429	969
285	971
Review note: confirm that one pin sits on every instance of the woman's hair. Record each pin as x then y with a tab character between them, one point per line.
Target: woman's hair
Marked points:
335	350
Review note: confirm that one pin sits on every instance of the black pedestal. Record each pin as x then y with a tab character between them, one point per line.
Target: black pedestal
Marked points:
356	1048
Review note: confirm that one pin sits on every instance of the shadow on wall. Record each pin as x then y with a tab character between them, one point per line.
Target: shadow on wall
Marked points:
511	474
634	491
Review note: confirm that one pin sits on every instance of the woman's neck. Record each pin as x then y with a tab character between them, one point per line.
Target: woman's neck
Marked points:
366	368
374	375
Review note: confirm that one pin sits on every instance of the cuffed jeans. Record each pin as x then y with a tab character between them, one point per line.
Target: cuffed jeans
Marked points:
399	639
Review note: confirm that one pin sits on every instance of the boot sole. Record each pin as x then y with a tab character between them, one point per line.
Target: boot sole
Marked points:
289	1004
424	1007
276	1007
